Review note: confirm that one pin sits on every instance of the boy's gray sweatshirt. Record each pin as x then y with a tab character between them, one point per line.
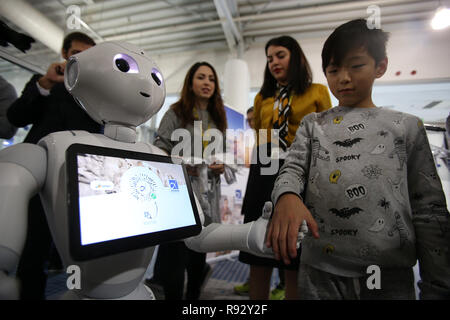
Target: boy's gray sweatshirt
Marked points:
369	179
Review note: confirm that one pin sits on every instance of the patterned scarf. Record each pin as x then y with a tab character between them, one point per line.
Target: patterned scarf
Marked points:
281	111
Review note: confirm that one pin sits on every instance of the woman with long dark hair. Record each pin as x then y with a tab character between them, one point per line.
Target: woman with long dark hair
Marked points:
200	100
286	96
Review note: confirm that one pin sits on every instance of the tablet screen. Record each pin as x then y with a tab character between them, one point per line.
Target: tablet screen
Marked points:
122	200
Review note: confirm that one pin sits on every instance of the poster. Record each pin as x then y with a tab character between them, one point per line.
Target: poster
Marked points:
232	195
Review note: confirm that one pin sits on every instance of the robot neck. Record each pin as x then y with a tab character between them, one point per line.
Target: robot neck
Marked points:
120	132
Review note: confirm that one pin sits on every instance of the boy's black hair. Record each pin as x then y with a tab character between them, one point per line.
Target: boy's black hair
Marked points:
76	36
299	72
351	35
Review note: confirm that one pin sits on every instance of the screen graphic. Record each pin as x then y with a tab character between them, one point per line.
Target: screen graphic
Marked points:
120	197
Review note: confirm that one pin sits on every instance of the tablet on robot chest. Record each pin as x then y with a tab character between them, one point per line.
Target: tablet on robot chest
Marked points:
124	200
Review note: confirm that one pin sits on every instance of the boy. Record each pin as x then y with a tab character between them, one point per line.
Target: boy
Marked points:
365	179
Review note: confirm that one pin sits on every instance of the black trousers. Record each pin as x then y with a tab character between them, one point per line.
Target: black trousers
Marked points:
173	259
36	253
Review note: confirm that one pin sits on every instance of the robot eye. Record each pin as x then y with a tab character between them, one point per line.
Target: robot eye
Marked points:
122	65
125	63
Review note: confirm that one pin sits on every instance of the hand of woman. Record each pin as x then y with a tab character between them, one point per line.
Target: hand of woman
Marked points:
217	168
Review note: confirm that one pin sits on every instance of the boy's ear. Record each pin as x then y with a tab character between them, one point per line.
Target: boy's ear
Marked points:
381	68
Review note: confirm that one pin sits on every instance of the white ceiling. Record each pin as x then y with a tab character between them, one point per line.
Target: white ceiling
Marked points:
176	26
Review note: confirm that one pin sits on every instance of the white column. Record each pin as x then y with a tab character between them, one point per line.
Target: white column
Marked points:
33	22
237	85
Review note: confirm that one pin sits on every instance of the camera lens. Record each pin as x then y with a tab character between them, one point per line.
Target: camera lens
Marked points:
122	65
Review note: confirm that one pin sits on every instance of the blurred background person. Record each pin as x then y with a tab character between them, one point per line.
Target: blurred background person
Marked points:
200	101
7	96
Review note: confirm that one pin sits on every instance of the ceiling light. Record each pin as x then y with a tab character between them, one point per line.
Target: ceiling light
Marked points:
441	19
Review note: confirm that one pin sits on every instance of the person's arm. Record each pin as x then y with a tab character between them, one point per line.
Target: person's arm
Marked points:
323	101
430	216
168	124
7	97
54	75
290	210
28	107
216	168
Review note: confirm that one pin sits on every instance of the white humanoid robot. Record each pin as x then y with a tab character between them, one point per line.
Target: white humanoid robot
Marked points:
120	87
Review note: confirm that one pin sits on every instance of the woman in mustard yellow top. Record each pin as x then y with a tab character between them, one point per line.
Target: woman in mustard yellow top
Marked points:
286	96
315	99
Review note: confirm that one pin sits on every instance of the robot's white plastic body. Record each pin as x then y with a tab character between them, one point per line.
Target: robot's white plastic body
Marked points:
119	99
121	96
110	277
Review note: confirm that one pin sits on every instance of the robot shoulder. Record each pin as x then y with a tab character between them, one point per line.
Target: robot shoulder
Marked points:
29	156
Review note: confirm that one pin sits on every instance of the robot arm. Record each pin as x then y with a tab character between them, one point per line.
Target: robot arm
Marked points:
23	169
249	237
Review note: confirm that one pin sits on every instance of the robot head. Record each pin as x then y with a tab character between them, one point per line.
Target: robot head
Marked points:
115	82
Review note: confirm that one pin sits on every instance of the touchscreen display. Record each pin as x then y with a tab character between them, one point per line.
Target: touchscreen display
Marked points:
123	197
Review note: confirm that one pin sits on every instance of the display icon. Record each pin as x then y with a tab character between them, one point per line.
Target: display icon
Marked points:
173	185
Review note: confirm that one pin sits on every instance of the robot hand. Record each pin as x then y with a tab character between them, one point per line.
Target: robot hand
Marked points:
302	233
249	237
258	232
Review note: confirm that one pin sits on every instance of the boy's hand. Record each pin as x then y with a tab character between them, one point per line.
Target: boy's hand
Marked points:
283	231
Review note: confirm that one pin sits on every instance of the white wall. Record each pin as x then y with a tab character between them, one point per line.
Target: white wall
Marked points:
412	46
175	66
426	51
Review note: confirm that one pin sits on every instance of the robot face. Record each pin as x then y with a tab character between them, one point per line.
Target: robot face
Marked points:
116	82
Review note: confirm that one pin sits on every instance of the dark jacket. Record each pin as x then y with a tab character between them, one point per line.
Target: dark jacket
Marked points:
7	96
47	114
